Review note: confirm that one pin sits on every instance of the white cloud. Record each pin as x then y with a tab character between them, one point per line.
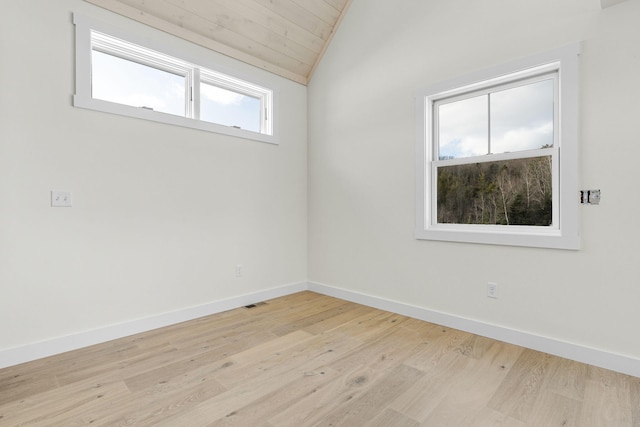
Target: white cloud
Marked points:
521	139
220	96
463	127
521	119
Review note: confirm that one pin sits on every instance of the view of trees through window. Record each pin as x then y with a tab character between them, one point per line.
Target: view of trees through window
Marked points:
489	168
509	192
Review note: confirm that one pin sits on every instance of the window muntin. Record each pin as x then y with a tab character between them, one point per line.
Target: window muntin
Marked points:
122	77
135	76
515	118
463	128
523	117
502	119
233	102
472	130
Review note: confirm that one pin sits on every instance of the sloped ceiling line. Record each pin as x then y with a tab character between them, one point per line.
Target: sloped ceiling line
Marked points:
285	37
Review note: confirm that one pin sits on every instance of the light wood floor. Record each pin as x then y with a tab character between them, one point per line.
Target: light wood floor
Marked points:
312	360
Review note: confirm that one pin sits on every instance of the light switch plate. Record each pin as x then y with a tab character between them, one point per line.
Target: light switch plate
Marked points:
61	199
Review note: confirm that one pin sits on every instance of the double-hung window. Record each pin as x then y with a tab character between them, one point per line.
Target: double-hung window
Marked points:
497	155
116	75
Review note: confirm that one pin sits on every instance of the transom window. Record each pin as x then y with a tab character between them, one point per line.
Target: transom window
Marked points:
119	76
490	168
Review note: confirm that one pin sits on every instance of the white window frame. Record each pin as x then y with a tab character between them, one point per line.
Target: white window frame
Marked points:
95	35
564	231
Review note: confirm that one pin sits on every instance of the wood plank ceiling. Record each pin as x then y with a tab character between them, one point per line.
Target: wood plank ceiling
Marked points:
285	37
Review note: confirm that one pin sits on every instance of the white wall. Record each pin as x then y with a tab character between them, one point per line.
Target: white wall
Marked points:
161	214
362	173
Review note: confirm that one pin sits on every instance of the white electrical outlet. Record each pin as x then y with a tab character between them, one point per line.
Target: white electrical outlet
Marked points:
61	199
492	290
239	269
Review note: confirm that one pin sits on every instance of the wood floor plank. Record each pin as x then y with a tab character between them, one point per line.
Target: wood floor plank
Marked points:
244	394
183	364
330	310
351	312
385	351
552	409
260	359
312	360
566	378
481	371
517	396
392	418
118	368
456	376
78	407
311	409
491	418
22	385
153	405
368	405
634	395
273	403
48	401
607	400
438	350
370	325
337	397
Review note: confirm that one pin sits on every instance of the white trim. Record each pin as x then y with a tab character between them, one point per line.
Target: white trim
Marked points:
604	359
157	116
566	233
29	352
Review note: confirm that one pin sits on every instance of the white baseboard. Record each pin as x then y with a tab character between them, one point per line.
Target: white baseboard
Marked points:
27	353
612	361
615	362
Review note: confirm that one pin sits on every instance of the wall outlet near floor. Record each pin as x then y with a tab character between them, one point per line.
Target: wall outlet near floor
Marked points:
239	270
492	290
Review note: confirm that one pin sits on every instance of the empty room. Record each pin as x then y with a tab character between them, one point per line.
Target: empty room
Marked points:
319	213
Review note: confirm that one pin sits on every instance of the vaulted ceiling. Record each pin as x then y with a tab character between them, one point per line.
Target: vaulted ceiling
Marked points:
285	37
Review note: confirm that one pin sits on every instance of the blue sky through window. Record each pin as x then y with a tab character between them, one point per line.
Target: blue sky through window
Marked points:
229	108
520	118
126	82
130	83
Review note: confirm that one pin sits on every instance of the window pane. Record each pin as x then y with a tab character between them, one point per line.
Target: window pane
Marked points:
512	192
229	108
522	117
463	128
126	82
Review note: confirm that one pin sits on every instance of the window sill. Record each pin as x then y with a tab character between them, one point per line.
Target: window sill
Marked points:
500	235
156	116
